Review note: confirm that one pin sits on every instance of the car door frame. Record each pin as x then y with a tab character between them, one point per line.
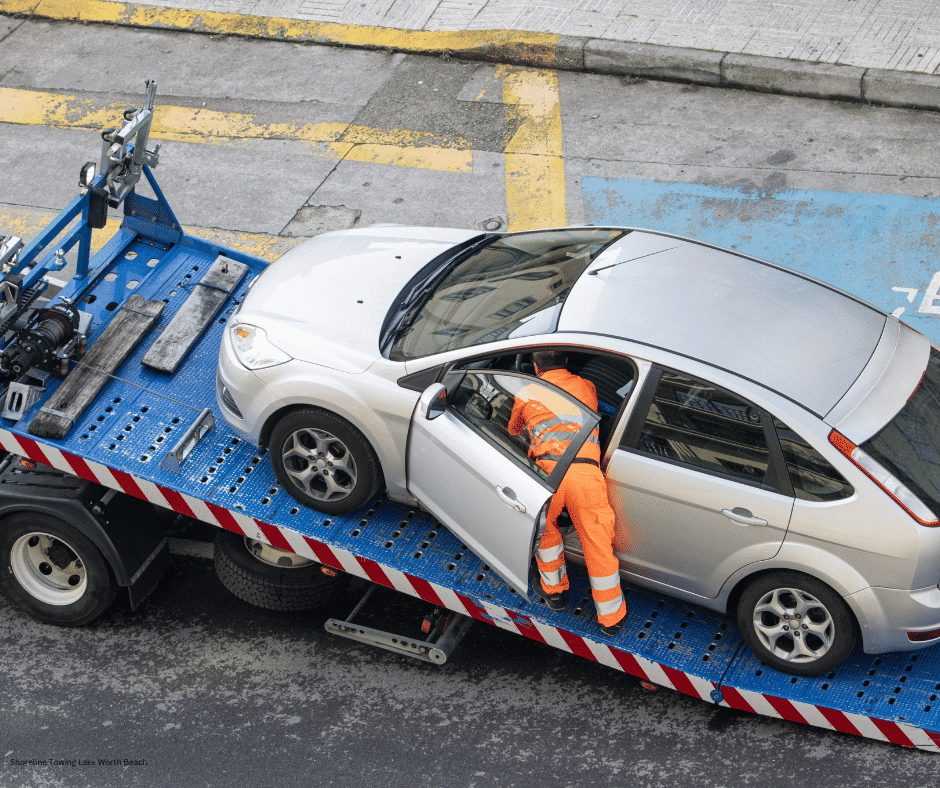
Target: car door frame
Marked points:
451	382
776	480
777	474
449	370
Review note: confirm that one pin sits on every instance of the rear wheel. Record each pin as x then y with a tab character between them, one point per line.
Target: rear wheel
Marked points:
53	572
274	579
796	623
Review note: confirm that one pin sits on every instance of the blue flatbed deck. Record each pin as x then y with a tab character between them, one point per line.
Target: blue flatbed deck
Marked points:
122	437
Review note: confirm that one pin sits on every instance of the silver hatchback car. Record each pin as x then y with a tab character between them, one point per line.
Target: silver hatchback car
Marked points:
771	444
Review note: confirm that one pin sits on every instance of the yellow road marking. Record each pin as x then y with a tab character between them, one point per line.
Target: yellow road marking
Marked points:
538	48
535	169
535	178
186	124
27	223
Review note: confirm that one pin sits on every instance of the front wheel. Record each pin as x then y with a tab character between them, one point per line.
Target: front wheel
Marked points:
796	624
323	461
53	572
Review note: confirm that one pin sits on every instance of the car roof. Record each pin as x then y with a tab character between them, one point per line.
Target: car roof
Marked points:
797	336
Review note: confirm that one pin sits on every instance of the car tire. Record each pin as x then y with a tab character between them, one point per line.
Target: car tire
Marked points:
273	579
767	610
53	572
323	461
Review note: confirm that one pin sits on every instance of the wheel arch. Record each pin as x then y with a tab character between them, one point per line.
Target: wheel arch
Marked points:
740	584
82	521
287	410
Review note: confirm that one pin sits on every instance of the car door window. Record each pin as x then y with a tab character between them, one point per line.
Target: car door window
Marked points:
697	424
813	478
613	375
485	399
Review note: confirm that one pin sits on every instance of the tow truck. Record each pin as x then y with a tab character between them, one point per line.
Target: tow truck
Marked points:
104	447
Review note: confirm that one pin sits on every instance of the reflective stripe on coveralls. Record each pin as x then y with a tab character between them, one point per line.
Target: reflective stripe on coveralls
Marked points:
583	490
548	557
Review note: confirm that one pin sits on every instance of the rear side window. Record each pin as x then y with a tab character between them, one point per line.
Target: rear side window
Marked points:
694	423
909	445
813	478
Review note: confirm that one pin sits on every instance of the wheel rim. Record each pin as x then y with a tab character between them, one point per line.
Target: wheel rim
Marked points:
48	569
320	464
274	557
793	625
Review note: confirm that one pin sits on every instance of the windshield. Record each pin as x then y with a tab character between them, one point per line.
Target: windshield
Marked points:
512	287
909	446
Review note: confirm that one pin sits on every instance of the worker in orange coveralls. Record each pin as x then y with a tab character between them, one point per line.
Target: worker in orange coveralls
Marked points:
583	490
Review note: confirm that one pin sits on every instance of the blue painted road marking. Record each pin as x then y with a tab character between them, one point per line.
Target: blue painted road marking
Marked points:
879	247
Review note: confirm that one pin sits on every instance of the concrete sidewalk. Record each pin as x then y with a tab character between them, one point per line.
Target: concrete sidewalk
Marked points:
876	51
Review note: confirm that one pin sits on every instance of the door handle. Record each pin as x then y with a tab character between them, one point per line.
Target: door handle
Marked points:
508	497
743	516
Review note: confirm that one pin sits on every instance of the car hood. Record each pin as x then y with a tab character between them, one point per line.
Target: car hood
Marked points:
325	300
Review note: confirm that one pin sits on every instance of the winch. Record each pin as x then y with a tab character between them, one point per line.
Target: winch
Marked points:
47	345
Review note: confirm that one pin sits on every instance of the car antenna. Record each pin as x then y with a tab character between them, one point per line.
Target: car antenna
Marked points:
621	262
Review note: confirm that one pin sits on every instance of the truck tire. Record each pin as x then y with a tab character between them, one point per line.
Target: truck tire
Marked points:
273	579
53	572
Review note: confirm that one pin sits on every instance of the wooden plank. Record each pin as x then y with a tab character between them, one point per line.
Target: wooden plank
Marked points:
200	309
84	382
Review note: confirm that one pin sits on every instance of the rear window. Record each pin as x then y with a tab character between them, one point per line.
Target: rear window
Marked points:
909	446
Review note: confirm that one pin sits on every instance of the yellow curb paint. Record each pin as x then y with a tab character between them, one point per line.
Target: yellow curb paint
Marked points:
27	223
539	48
535	169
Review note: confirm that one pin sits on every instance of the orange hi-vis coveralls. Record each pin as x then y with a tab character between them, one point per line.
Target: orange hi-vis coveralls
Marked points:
583	490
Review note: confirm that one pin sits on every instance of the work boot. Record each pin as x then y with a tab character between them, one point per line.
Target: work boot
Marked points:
554	601
614	628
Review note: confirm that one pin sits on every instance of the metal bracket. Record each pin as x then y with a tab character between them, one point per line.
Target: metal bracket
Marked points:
19	399
124	153
57	413
10	246
173	462
438	646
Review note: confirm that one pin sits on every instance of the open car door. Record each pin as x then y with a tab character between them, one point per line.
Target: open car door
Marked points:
476	477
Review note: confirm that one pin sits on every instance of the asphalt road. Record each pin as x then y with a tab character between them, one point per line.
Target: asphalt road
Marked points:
265	143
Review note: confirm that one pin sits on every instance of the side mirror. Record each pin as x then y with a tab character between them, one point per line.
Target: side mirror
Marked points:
433	401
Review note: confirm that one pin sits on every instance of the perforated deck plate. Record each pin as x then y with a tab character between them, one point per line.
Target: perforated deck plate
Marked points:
133	421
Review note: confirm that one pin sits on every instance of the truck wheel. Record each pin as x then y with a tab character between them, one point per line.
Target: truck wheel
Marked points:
324	461
52	571
796	623
273	579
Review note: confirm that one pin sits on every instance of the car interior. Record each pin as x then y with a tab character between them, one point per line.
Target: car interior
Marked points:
613	376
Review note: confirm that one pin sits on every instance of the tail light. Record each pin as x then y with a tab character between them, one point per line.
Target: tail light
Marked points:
902	496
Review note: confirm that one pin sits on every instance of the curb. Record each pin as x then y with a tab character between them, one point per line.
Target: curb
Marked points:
538	50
